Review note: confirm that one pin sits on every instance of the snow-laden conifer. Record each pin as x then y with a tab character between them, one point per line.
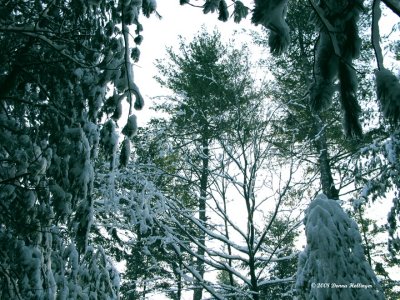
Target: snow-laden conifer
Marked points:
333	264
53	91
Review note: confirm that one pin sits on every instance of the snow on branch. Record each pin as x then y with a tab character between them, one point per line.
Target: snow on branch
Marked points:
338	45
271	14
388	92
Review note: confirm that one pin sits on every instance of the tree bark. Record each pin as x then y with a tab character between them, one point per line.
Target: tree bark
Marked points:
198	291
253	277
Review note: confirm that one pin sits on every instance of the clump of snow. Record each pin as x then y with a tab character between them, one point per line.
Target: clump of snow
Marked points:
390	149
78	73
109	140
271	14
125	153
131	127
93	135
62	201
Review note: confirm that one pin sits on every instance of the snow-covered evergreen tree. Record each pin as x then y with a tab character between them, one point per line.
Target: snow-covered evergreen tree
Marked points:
333	264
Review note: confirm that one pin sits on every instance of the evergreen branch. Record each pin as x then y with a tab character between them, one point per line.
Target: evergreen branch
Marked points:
49	97
128	66
58	48
8	180
10	279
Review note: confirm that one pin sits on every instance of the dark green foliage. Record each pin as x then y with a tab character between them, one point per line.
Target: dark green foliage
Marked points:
223	11
148	7
375	249
58	61
201	76
211	6
334	55
272	15
240	11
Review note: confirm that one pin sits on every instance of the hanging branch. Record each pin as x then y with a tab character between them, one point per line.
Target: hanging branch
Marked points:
375	36
128	65
329	27
131	86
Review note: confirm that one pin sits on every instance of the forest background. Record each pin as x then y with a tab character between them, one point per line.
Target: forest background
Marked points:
82	189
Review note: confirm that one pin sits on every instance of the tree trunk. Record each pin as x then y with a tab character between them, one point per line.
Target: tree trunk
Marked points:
231	279
179	291
253	277
328	186
198	291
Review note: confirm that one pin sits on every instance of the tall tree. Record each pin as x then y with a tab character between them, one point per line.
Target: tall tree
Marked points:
335	155
293	75
208	79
